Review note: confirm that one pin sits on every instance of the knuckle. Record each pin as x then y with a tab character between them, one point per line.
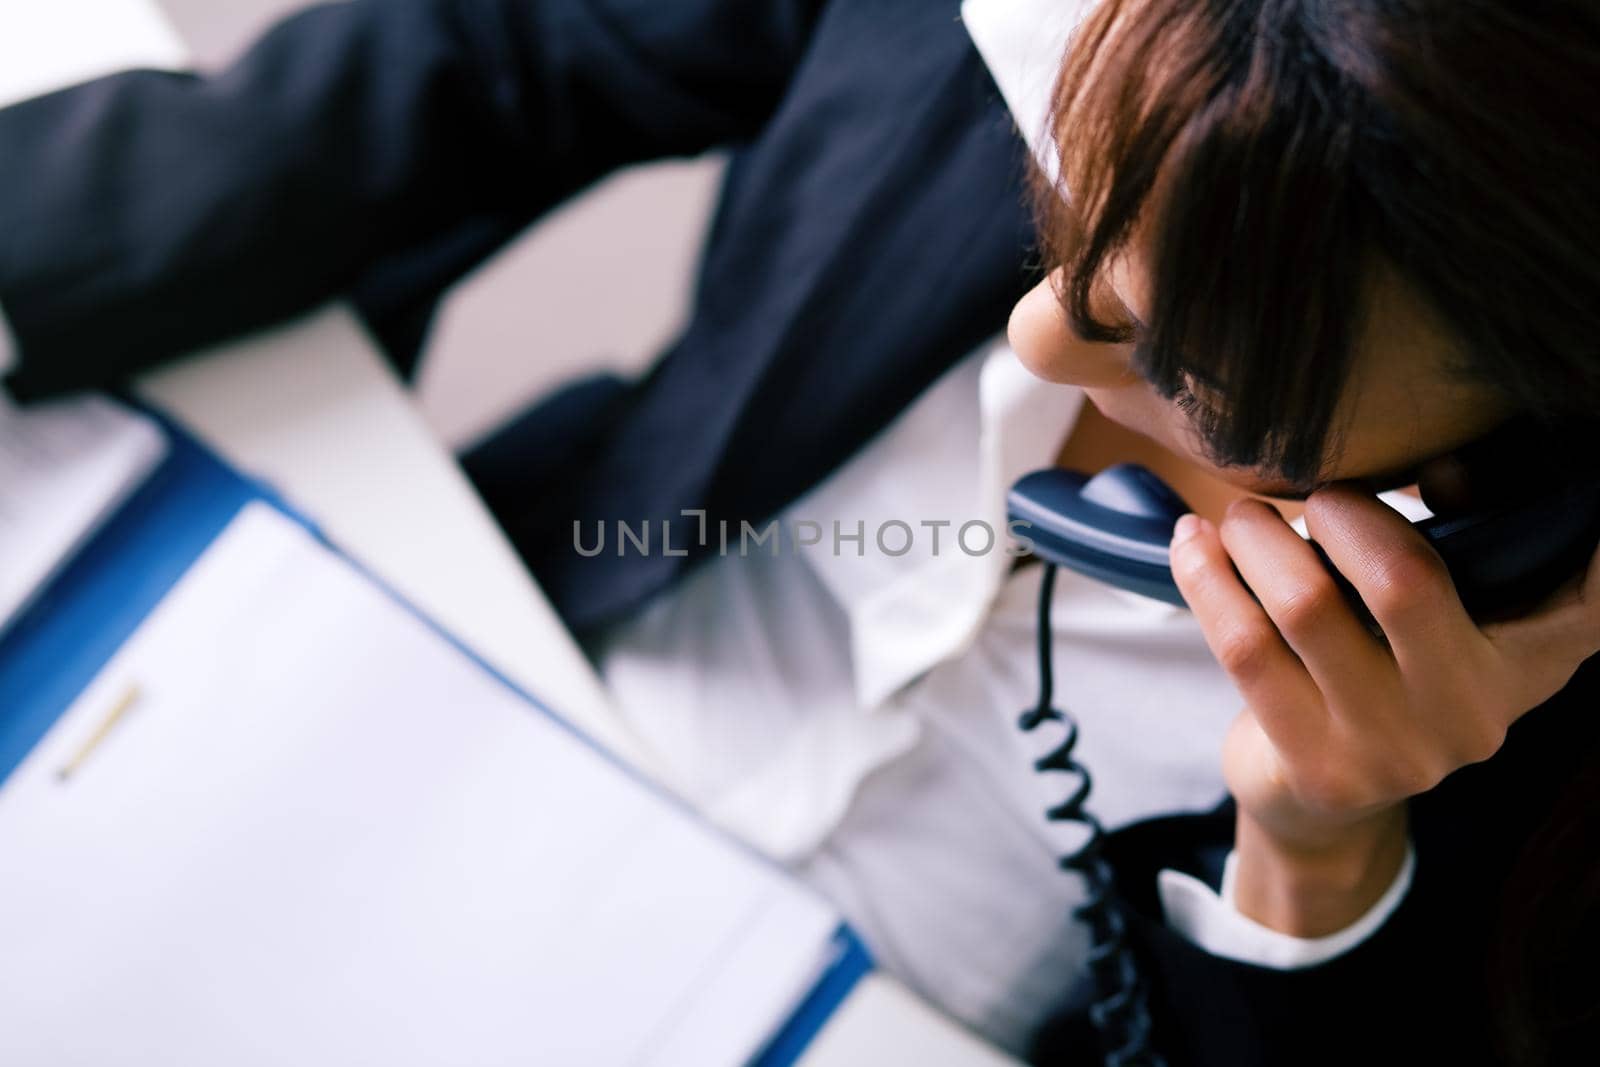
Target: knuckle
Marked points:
1409	777
1589	637
1586	633
1244	651
1309	608
1404	582
1481	738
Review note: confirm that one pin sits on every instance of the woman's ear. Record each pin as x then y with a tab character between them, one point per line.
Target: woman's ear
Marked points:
1444	485
1517	459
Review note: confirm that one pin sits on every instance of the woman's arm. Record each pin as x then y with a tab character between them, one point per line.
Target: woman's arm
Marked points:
1417	988
1413	990
149	213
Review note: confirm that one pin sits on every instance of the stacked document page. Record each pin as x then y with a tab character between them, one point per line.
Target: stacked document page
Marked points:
289	822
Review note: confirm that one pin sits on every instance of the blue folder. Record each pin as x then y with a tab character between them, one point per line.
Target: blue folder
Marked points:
60	643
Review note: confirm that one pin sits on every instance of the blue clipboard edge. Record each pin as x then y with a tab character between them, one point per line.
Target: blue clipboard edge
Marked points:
851	963
87	611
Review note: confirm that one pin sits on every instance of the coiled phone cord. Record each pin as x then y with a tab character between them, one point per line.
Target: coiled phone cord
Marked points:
1122	1012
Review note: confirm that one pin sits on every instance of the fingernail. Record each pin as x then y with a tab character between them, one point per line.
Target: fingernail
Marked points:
1188	526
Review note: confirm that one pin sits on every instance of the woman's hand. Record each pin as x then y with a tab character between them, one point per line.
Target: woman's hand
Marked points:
1340	728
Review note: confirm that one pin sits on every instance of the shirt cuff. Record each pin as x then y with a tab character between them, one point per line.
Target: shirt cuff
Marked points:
1213	922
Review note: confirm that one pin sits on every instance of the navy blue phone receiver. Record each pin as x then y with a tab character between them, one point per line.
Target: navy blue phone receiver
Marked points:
1116	527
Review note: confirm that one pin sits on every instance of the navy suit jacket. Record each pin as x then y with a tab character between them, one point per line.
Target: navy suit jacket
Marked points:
872	229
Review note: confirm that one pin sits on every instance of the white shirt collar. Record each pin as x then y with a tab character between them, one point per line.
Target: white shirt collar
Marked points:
909	612
1023	42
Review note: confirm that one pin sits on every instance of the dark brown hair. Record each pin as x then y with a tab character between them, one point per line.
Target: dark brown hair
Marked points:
1287	148
1274	155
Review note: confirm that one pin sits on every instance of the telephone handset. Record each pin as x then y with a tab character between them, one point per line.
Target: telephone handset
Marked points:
1116	526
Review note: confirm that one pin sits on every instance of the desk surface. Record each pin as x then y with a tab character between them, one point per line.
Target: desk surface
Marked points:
313	409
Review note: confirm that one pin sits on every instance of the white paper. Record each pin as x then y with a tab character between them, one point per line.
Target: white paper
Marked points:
49	44
323	835
64	468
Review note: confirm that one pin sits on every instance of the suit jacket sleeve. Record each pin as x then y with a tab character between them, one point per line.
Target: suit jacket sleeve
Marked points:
1411	992
149	213
1427	986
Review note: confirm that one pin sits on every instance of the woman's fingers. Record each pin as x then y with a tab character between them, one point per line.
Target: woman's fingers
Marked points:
1306	604
1543	648
1403	582
1270	677
1461	691
1343	721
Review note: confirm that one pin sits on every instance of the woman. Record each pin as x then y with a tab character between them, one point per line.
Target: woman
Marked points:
1302	246
1403	200
854	711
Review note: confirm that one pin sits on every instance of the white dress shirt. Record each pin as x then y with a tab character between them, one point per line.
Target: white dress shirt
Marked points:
855	715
